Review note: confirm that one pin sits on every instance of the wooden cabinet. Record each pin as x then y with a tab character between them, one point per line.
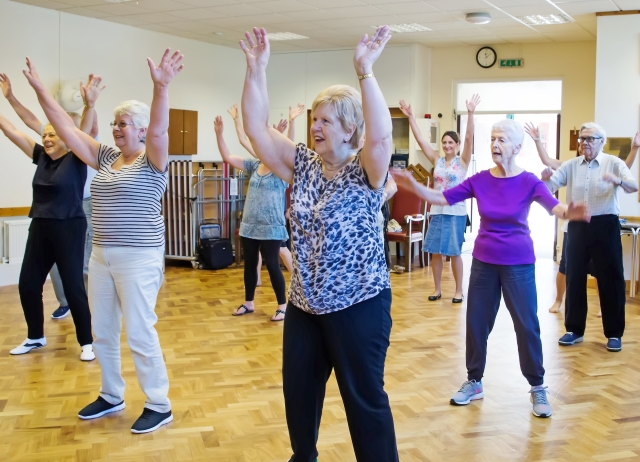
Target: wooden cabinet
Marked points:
183	132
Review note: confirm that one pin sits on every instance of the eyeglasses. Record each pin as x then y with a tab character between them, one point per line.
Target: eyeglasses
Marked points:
121	125
589	139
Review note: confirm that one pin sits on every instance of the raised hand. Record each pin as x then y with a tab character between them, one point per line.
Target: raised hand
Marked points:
233	111
218	125
369	50
282	125
636	140
169	67
546	174
295	112
471	105
578	212
406	108
92	90
5	84
32	76
257	52
532	131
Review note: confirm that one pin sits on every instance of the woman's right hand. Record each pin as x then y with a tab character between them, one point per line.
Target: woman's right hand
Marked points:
403	178
233	111
5	83
532	131
258	51
218	125
406	108
92	90
368	50
578	212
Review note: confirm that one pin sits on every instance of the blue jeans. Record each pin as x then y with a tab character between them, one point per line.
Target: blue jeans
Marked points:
517	283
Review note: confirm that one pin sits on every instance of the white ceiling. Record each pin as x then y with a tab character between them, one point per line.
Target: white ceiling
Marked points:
341	23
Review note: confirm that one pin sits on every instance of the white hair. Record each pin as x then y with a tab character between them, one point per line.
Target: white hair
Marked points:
139	112
594	126
513	129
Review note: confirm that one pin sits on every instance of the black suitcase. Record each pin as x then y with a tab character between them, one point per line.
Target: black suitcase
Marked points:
215	253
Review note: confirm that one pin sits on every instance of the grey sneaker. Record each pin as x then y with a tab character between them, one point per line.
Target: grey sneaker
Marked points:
469	391
541	406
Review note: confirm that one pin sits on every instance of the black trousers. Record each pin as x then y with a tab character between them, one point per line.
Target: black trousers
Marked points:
600	241
271	256
354	342
62	242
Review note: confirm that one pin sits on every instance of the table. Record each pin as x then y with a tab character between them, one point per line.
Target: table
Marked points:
633	229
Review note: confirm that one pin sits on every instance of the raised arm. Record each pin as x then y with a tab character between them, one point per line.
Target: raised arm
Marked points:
635	144
82	145
90	94
242	136
293	114
157	141
468	136
534	133
28	117
271	147
404	179
234	161
18	138
431	154
376	152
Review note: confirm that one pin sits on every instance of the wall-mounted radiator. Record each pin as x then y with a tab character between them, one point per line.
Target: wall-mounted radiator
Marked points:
15	240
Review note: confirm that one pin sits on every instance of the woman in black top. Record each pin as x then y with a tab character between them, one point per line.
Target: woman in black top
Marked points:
56	235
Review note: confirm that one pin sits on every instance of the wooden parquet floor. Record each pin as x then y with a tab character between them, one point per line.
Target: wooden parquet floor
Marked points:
226	387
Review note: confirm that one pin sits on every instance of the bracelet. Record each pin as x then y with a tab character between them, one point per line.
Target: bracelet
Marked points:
87	106
365	76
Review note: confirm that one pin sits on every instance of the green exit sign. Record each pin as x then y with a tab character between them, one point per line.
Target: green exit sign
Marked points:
512	63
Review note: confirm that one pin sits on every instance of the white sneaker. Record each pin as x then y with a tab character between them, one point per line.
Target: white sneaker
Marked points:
87	353
28	345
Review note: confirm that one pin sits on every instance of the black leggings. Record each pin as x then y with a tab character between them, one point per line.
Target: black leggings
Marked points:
55	241
271	255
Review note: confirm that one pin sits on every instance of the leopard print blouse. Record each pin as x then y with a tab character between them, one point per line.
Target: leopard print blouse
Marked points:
338	251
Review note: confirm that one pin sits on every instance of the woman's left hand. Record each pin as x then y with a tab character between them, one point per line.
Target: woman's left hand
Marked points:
471	105
578	212
403	178
169	67
636	140
369	50
33	77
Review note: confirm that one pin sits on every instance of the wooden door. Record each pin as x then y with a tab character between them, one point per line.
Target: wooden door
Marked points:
176	129
190	124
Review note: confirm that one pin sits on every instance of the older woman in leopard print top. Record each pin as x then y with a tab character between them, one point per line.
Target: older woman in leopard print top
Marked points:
338	314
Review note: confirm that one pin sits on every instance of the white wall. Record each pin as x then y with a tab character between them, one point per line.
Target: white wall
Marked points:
618	86
65	46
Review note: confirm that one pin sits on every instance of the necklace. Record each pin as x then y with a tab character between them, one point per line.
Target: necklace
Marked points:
333	169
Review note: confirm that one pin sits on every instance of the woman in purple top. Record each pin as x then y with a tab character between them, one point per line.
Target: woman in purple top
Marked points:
503	259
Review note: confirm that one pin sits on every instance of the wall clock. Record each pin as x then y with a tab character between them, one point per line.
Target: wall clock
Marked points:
486	57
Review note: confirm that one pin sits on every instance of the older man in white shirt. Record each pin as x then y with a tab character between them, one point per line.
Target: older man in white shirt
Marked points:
595	179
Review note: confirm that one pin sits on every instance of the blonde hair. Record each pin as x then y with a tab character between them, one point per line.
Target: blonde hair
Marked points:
512	128
346	101
139	112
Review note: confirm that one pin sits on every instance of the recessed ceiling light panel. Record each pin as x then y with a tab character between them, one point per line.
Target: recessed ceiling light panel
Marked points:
400	28
285	36
543	20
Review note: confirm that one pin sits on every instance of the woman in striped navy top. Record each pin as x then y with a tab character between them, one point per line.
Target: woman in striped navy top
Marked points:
125	271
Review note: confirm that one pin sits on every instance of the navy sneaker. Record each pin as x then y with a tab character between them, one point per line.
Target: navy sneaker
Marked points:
151	420
99	408
570	338
614	344
61	312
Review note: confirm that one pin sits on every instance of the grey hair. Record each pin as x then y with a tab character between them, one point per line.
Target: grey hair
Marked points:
346	101
512	128
594	126
139	112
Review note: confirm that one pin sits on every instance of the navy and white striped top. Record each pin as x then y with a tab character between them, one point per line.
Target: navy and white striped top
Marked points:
126	202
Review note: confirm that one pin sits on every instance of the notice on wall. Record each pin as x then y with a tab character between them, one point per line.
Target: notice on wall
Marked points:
233	186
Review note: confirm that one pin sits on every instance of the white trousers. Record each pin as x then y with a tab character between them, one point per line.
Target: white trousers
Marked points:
124	282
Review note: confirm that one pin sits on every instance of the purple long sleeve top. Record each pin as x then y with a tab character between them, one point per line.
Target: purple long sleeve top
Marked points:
503	203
